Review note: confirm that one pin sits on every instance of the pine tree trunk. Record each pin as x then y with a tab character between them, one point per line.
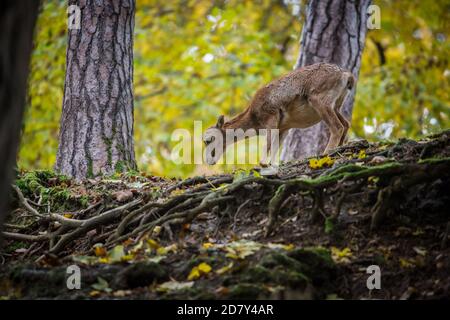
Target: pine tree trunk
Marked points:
17	20
96	127
334	32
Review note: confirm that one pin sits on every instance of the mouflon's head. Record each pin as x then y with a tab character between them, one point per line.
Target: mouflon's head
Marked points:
214	140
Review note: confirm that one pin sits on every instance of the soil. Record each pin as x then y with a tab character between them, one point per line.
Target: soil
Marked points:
309	232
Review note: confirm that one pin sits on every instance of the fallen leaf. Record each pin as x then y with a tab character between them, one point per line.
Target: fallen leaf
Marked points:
201	269
116	254
362	154
121	293
222	290
341	256
378	160
406	263
101	285
123	195
174	286
207	245
153	244
94	293
204	268
420	251
156	231
225	269
315	163
85	259
242	248
161	251
194	274
99	250
286	247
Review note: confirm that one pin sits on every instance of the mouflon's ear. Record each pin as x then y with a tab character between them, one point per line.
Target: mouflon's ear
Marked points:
220	122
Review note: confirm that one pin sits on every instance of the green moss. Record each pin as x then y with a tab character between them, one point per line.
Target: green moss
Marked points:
329	224
280	275
90	168
15	245
140	274
84	201
274	259
108	143
35	181
435	160
52	188
246	291
119	167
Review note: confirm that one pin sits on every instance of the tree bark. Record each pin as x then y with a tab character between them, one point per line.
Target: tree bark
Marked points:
334	32
96	127
17	20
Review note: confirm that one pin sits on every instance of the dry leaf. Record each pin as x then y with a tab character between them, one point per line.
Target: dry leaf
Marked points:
123	195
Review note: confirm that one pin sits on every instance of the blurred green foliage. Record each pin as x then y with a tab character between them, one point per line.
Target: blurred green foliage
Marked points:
197	59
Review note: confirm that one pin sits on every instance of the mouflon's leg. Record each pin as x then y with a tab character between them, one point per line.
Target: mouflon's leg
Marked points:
324	106
337	107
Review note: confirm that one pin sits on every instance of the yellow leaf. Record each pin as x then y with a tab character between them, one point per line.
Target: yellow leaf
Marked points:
288	247
341	256
207	245
204	267
194	274
94	293
103	260
153	244
319	163
362	154
127	257
406	263
201	269
314	163
68	215
232	256
99	251
161	251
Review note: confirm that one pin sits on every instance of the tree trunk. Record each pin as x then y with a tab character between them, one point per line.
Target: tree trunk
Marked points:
96	127
334	32
17	20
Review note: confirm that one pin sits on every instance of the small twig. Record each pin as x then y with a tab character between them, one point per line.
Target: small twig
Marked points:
239	209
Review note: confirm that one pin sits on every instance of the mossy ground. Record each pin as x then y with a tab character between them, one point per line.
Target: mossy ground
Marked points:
300	259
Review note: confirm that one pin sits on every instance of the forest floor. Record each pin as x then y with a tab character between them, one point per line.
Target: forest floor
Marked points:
309	232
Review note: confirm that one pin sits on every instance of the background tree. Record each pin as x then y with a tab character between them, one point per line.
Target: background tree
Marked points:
96	127
194	60
334	31
17	20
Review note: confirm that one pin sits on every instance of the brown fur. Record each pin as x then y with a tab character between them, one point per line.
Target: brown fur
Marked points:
299	99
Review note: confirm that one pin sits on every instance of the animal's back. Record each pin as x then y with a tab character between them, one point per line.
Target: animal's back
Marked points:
296	86
307	80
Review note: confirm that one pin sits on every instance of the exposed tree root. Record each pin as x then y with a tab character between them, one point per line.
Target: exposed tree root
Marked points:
326	188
